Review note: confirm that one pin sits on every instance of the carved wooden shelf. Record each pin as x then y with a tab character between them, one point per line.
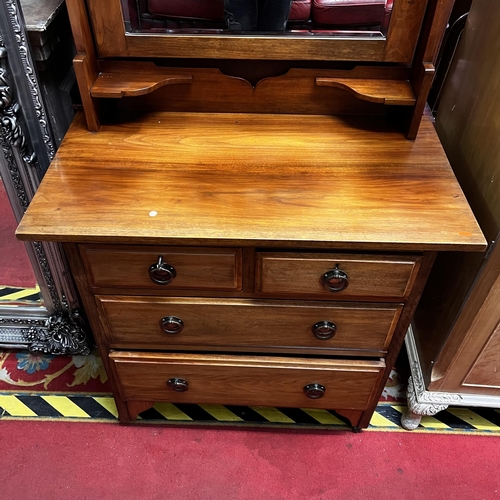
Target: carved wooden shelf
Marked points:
115	79
390	92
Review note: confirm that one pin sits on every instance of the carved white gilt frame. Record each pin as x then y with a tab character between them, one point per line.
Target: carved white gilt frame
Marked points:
422	402
25	153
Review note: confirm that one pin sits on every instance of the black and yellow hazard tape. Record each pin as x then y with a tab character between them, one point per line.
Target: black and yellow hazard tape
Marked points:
101	408
15	294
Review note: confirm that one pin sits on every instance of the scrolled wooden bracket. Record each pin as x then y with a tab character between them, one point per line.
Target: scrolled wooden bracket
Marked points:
388	92
116	79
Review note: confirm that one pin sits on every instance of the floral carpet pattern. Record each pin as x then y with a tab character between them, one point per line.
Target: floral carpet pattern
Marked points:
25	371
21	370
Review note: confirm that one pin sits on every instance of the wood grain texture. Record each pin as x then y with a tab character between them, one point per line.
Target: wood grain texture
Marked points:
250	180
246	323
196	268
383	277
404	30
244	380
228	46
82	33
248	270
108	28
389	92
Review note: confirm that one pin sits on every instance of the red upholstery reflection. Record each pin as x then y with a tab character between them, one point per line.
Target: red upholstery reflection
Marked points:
348	12
323	12
301	10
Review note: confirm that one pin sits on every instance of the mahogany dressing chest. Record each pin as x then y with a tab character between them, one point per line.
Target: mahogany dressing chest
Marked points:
250	218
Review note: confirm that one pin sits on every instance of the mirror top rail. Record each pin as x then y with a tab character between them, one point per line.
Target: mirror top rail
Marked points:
393	39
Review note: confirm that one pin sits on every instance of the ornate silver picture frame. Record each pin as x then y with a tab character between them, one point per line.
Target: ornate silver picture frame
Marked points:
27	147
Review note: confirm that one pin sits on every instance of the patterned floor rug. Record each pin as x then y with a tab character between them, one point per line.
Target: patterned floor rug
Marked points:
21	370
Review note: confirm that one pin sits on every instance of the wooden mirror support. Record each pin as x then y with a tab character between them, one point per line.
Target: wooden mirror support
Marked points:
398	74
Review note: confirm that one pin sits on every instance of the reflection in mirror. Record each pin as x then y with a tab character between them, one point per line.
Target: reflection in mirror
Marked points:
18	284
291	17
254	15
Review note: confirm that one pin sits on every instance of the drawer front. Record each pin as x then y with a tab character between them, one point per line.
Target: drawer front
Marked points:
335	276
180	323
246	380
194	268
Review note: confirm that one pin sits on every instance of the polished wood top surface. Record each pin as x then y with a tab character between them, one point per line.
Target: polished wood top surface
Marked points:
249	179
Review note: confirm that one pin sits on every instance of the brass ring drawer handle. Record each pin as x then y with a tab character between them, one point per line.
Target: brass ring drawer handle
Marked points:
324	330
178	384
315	391
335	280
171	324
162	273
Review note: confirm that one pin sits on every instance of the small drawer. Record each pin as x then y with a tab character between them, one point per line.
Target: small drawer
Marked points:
203	323
163	267
247	380
336	276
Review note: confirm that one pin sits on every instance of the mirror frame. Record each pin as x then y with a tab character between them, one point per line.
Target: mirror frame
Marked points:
397	47
26	150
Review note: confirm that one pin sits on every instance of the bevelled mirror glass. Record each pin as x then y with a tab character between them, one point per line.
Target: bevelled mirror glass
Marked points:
278	17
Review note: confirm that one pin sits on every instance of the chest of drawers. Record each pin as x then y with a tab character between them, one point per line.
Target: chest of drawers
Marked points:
247	326
217	267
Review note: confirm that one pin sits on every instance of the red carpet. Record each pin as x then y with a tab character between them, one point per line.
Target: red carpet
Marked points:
15	267
86	461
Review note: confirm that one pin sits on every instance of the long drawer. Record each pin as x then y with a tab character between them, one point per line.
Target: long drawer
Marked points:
336	276
247	380
163	267
180	322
